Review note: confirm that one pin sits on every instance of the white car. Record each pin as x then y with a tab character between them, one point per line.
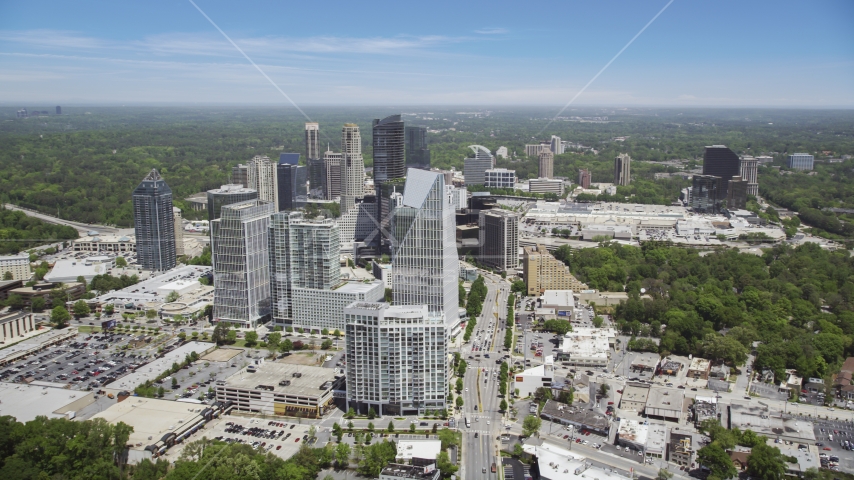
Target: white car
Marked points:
467	389
618	448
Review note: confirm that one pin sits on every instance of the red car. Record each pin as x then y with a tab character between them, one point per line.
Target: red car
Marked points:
577	440
619	391
827	448
278	447
296	440
565	437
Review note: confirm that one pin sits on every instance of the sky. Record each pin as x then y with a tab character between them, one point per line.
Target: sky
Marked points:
696	53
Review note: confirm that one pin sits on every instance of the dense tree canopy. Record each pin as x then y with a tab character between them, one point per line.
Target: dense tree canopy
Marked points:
19	232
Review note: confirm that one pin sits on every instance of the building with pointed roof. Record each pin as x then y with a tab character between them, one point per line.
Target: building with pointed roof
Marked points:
154	223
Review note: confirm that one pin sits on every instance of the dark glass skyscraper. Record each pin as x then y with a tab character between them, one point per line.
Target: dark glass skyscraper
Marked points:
291	183
721	162
154	223
417	153
389	164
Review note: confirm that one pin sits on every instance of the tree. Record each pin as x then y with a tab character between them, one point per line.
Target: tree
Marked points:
503	405
324	332
231	336
8	276
350	426
182	336
443	463
370	426
121	262
766	463
326	345
59	316
174	382
725	348
561	327
603	390
16	302
717	460
390	427
161	392
286	346
342	455
411	428
351	413
251	338
220	333
109	309
518	286
274	341
531	425
459	386
372	414
388	295
460	402
337	431
518	451
664	474
38	304
597	322
151	314
80	308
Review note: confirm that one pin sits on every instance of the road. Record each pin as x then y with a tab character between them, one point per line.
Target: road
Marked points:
82	228
481	442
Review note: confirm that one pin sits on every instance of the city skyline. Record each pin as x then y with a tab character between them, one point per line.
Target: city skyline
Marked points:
172	54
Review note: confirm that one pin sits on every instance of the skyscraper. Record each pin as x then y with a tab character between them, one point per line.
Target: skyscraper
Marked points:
417	152
291	185
499	238
303	254
240	175
547	164
352	166
584	178
226	195
706	196
240	255
179	231
289	158
389	165
474	168
622	169
721	162
332	170
737	194
749	172
58	110
262	178
425	267
396	359
555	145
154	223
312	150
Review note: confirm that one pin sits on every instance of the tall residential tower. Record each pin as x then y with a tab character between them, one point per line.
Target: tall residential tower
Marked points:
352	167
622	169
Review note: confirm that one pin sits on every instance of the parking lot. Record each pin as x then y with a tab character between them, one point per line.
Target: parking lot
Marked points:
840	433
280	437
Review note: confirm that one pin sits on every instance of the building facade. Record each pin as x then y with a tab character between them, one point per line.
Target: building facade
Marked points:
499	239
545	185
622	169
312	146
721	162
425	266
417	152
154	223
292	185
17	265
226	195
801	161
737	194
179	231
706	194
474	168
547	164
15	325
240	254
303	254
556	146
315	309
541	271
389	151
749	172
263	179
499	178
584	178
352	166
396	359
332	169
240	175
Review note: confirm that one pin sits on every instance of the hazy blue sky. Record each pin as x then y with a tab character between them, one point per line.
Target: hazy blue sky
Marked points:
698	52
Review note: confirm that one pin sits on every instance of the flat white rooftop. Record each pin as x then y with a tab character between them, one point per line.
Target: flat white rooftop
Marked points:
426	449
150	418
155	368
151	290
558	463
26	402
558	298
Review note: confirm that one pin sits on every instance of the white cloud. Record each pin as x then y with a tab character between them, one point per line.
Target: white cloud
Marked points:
53	38
491	31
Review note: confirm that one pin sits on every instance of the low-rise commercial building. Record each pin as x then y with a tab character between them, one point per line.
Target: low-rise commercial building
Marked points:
666	403
587	347
756	418
632	433
656	440
617	232
546	185
634	397
499	178
580	418
65	271
395	471
105	243
557	463
704	408
419	452
645	362
528	381
16	265
281	389
73	291
699	368
680	450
